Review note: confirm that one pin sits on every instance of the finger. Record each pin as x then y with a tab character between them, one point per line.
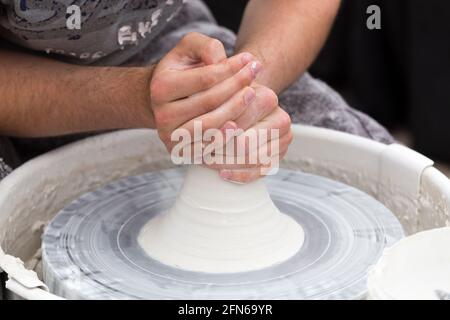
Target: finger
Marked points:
181	111
173	85
217	140
265	103
248	175
240	176
229	110
201	47
274	126
226	133
197	153
242	159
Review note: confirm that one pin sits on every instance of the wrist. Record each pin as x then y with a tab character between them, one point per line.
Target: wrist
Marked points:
123	95
266	77
137	86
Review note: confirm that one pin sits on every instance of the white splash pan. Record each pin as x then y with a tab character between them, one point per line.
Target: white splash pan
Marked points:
414	268
402	179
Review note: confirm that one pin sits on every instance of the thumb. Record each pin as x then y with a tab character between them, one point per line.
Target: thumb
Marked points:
201	48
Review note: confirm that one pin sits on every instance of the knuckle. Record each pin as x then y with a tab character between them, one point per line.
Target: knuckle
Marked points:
207	123
157	118
165	138
162	118
158	89
242	79
285	119
213	45
269	97
188	37
211	102
207	79
224	68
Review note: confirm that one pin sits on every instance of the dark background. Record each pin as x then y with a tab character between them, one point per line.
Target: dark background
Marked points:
400	75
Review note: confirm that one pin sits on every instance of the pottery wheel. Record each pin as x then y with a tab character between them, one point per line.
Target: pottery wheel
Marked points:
90	248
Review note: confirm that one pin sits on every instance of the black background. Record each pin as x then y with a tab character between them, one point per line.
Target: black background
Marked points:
169	309
400	75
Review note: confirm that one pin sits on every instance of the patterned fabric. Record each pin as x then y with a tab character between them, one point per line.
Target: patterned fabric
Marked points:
4	169
312	102
110	32
308	100
8	157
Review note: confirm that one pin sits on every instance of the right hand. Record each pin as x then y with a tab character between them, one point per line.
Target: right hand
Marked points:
195	81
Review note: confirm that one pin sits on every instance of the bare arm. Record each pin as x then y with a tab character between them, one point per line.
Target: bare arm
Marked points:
44	97
286	35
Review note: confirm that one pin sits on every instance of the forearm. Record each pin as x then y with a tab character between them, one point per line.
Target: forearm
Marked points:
43	97
286	35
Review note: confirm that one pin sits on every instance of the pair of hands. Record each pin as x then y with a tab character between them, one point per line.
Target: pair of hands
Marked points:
195	81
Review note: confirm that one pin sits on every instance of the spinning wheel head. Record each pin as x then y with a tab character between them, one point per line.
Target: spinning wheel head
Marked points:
91	250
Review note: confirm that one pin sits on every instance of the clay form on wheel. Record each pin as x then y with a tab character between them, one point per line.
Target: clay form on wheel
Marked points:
217	226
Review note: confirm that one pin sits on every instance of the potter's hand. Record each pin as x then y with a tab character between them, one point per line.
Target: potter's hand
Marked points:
195	82
263	114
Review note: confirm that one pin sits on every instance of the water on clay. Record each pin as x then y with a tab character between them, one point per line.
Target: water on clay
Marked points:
91	251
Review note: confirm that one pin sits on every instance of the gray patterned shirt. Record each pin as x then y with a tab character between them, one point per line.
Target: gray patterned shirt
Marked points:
110	31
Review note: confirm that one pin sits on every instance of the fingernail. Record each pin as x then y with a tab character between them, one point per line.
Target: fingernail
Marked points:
225	174
246	58
256	67
249	96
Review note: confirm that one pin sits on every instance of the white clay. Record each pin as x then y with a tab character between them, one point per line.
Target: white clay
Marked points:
417	267
221	227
